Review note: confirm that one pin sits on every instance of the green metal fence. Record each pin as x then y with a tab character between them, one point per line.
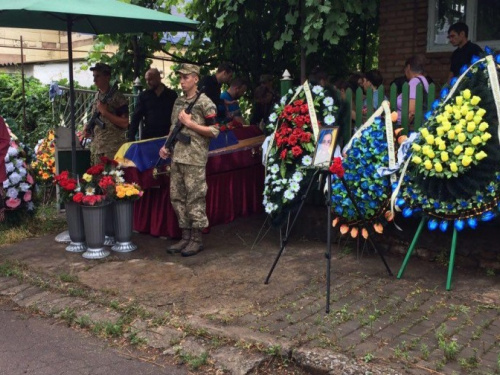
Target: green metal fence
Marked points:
357	113
356	107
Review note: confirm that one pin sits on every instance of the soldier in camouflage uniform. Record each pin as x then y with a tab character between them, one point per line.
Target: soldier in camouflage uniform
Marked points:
114	114
188	186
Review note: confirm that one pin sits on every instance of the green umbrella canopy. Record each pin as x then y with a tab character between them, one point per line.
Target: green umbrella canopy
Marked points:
89	16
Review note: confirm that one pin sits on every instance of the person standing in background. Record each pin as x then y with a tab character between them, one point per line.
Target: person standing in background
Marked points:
372	80
154	107
458	34
114	114
212	85
414	72
264	99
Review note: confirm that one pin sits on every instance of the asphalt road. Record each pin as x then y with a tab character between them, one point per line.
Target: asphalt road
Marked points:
41	346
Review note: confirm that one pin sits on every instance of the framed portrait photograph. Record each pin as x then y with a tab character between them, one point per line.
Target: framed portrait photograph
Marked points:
324	149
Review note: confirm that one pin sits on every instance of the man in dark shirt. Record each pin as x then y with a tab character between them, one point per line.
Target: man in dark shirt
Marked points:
212	84
458	34
155	107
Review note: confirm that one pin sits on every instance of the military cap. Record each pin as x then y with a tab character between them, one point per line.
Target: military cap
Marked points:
188	69
103	68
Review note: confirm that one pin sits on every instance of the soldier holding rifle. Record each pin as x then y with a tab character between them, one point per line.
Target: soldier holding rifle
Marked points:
112	122
188	186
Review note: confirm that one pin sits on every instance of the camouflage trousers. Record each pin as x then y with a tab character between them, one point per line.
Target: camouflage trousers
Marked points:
188	189
95	158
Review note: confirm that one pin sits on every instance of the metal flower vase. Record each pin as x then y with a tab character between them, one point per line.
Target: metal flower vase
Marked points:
123	218
94	220
109	238
76	230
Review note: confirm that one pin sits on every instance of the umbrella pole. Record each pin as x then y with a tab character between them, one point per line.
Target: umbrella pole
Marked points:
71	95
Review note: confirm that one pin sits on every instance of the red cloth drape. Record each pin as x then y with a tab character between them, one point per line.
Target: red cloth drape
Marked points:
4	147
235	184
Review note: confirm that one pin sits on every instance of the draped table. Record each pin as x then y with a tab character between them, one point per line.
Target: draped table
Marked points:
235	179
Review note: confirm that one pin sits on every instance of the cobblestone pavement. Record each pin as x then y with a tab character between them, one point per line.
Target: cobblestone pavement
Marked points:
215	307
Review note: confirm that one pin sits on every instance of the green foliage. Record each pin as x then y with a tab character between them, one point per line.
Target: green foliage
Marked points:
261	37
38	107
258	37
135	52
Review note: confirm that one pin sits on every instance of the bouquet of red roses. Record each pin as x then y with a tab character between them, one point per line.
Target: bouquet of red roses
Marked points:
68	186
97	184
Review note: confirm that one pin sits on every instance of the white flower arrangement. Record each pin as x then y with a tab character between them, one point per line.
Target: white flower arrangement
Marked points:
19	183
292	148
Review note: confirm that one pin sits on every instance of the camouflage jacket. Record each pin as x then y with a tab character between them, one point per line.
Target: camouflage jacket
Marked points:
109	139
195	153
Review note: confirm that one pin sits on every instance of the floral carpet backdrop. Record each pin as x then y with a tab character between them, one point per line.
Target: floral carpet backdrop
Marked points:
454	170
292	146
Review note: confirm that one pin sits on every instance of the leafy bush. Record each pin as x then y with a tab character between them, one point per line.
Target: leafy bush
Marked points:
38	107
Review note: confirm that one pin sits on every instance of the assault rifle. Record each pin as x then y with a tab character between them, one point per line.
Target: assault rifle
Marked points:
96	116
176	135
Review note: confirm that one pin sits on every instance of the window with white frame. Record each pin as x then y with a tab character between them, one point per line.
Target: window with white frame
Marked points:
482	17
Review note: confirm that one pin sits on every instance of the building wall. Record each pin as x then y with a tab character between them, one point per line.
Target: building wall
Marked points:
45	55
403	33
40	45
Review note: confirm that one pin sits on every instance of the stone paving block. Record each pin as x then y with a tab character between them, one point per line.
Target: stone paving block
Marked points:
26	293
285	317
236	361
488	365
35	299
322	361
161	337
8	282
49	304
423	327
139	325
13	290
368	346
99	314
189	346
348	328
63	303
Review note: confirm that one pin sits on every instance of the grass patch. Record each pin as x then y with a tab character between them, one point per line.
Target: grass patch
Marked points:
77	292
195	362
108	329
67	278
69	315
136	340
21	225
11	269
83	321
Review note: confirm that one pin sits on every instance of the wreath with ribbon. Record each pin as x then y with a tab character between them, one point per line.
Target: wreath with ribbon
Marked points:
453	172
295	125
367	169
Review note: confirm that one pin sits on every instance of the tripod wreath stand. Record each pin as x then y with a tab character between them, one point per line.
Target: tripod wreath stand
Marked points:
285	237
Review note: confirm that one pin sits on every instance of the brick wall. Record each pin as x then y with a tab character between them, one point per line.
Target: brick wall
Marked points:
403	33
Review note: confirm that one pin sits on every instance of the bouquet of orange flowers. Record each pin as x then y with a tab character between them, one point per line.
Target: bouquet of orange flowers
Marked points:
127	191
44	166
